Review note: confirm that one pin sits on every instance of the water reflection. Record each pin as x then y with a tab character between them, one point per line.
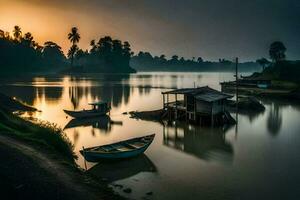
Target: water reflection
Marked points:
118	170
274	121
205	143
103	123
252	115
108	88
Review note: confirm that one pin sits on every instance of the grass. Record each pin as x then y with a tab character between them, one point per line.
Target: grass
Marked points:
41	134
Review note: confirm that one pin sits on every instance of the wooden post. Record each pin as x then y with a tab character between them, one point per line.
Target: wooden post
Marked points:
237	97
167	99
236	82
163	101
83	151
176	107
212	115
194	109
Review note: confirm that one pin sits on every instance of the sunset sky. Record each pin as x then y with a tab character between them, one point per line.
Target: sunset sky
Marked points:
208	28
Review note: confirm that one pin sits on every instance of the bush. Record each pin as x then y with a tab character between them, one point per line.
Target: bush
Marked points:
41	133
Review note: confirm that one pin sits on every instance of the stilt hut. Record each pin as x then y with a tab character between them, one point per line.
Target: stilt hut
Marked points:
200	105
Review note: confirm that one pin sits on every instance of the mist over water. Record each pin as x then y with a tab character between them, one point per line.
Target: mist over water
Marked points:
256	158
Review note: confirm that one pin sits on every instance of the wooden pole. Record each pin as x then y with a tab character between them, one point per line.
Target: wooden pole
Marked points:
83	150
167	99
237	97
176	107
163	101
236	82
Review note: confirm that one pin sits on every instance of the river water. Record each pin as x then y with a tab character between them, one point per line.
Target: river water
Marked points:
257	159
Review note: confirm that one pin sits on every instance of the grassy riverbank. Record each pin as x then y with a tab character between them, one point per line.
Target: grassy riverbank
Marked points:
37	158
40	134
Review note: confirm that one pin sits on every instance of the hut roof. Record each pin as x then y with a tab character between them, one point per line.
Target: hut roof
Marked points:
201	93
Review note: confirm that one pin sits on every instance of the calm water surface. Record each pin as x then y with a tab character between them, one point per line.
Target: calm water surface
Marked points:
257	159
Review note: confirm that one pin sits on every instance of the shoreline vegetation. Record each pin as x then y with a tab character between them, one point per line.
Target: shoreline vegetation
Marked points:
144	61
279	78
48	160
21	54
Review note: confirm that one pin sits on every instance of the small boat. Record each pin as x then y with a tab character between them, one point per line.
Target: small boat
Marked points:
120	150
99	109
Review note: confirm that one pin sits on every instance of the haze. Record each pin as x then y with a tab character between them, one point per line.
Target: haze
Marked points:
208	28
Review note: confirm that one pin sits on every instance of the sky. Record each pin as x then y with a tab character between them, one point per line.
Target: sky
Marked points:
211	29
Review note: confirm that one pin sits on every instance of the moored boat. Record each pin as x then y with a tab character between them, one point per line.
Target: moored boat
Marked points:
120	150
99	109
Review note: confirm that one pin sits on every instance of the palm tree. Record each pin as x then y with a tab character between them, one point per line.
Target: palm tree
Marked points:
17	32
74	37
74	48
28	40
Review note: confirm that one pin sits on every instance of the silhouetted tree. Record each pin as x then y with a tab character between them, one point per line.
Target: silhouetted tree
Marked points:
17	32
263	62
94	47
200	60
277	51
72	51
52	54
74	38
2	34
28	40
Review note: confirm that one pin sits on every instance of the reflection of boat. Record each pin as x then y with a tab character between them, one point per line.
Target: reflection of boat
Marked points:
120	150
204	143
113	171
99	109
102	122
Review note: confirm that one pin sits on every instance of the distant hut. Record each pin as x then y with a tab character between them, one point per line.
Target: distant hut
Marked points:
202	105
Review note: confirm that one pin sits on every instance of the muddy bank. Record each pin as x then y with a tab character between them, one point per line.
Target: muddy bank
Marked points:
28	173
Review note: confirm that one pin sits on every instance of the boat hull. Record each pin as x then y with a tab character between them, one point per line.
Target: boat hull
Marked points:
95	156
85	114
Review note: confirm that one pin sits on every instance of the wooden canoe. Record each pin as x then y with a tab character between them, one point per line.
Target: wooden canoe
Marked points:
120	150
85	113
99	109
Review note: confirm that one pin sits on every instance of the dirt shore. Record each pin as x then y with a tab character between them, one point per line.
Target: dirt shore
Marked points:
28	173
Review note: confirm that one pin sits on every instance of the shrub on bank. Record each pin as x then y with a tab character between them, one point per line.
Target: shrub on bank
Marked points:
43	134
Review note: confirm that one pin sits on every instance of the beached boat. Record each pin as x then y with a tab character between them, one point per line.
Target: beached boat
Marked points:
99	109
120	150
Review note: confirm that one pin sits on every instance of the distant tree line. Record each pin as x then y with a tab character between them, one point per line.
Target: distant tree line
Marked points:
144	61
20	53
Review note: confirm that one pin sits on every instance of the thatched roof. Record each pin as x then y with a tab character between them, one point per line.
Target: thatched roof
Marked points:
201	93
